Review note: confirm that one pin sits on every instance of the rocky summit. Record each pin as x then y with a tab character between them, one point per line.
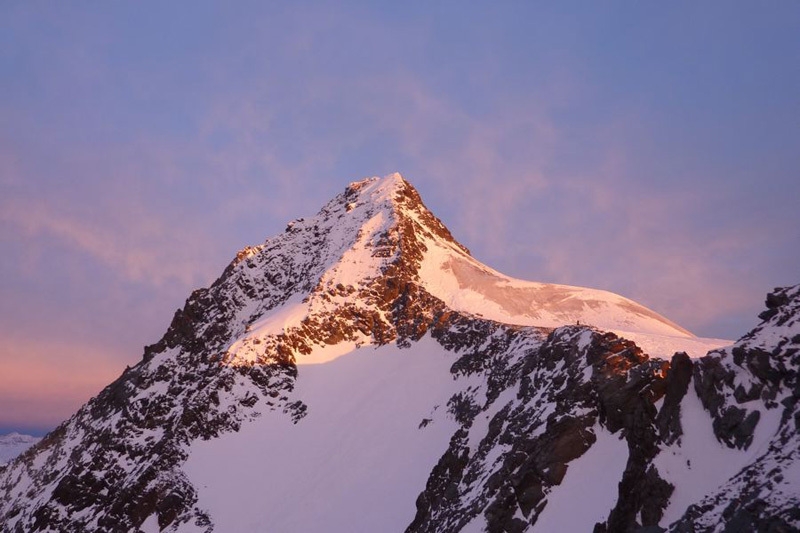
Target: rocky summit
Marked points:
362	372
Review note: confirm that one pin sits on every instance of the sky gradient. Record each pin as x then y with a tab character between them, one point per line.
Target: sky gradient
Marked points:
649	149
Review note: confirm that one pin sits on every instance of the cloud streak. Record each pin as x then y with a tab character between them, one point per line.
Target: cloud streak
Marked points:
142	262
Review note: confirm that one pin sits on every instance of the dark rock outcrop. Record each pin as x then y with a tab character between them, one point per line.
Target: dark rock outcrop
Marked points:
570	384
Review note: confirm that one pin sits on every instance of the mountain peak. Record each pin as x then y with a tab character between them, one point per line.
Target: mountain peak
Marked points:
375	251
396	195
361	255
446	270
389	182
488	402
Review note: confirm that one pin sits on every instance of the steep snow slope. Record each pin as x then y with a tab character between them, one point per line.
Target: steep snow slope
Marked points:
466	285
375	427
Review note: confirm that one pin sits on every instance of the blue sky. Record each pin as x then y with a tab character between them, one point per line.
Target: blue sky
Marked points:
650	149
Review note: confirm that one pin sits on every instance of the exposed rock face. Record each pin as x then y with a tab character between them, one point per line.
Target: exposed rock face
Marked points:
543	406
677	385
531	402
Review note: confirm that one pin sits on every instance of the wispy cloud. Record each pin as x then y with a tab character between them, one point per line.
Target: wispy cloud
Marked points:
139	252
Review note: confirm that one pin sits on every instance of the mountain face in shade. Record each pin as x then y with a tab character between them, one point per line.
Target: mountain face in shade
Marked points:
362	372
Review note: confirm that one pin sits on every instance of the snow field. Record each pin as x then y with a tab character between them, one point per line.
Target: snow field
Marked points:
355	463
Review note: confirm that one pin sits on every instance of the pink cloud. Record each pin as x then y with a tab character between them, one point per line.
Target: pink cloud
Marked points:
134	250
647	245
44	381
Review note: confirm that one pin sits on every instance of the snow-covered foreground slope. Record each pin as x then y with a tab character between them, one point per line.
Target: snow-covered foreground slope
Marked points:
362	372
356	462
13	444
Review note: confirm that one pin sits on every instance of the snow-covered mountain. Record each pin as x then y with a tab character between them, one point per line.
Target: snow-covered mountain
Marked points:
362	372
13	444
